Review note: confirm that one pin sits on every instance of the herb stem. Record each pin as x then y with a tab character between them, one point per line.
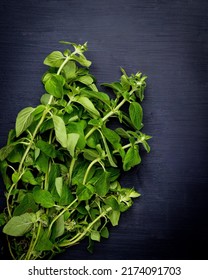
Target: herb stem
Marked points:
59	215
27	257
71	169
7	199
63	64
88	169
10	248
32	244
32	139
127	146
73	241
9	194
109	114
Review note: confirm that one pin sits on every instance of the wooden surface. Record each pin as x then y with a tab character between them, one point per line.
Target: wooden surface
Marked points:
166	40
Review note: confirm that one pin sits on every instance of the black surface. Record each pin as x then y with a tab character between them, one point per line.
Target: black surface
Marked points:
167	40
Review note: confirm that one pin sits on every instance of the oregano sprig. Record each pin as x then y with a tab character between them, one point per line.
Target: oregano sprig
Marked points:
62	162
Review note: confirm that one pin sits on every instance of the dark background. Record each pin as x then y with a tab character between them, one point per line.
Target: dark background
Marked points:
166	40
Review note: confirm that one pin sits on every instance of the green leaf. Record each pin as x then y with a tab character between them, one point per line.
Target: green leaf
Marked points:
87	80
96	122
93	139
54	173
5	151
16	154
95	235
103	184
122	132
15	177
24	120
28	177
112	137
78	128
59	185
54	85
47	75
19	225
54	59
43	197
111	161
66	196
43	244
60	130
42	162
45	98
136	114
84	192
146	146
2	219
104	232
79	172
132	158
68	109
96	95
87	104
131	192
116	86
112	202
81	59
5	177
38	111
69	70
90	154
46	148
46	125
125	83
26	205
114	217
72	139
114	173
58	227
11	136
90	246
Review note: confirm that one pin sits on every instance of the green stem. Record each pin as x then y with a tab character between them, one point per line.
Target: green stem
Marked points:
59	215
127	146
10	248
33	243
74	241
63	64
71	169
32	139
88	169
9	194
112	112
49	164
27	257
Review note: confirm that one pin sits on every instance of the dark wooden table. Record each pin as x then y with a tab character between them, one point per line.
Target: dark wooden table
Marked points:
166	40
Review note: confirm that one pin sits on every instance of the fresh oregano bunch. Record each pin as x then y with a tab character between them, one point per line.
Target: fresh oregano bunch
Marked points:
62	161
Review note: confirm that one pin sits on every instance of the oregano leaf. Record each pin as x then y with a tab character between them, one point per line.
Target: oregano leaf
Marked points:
136	114
54	59
54	85
60	130
24	120
72	139
43	197
88	105
19	225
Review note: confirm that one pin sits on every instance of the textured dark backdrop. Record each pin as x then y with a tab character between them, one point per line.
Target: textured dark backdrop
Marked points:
167	40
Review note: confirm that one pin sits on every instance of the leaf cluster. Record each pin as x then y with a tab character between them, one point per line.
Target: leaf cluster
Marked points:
62	162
